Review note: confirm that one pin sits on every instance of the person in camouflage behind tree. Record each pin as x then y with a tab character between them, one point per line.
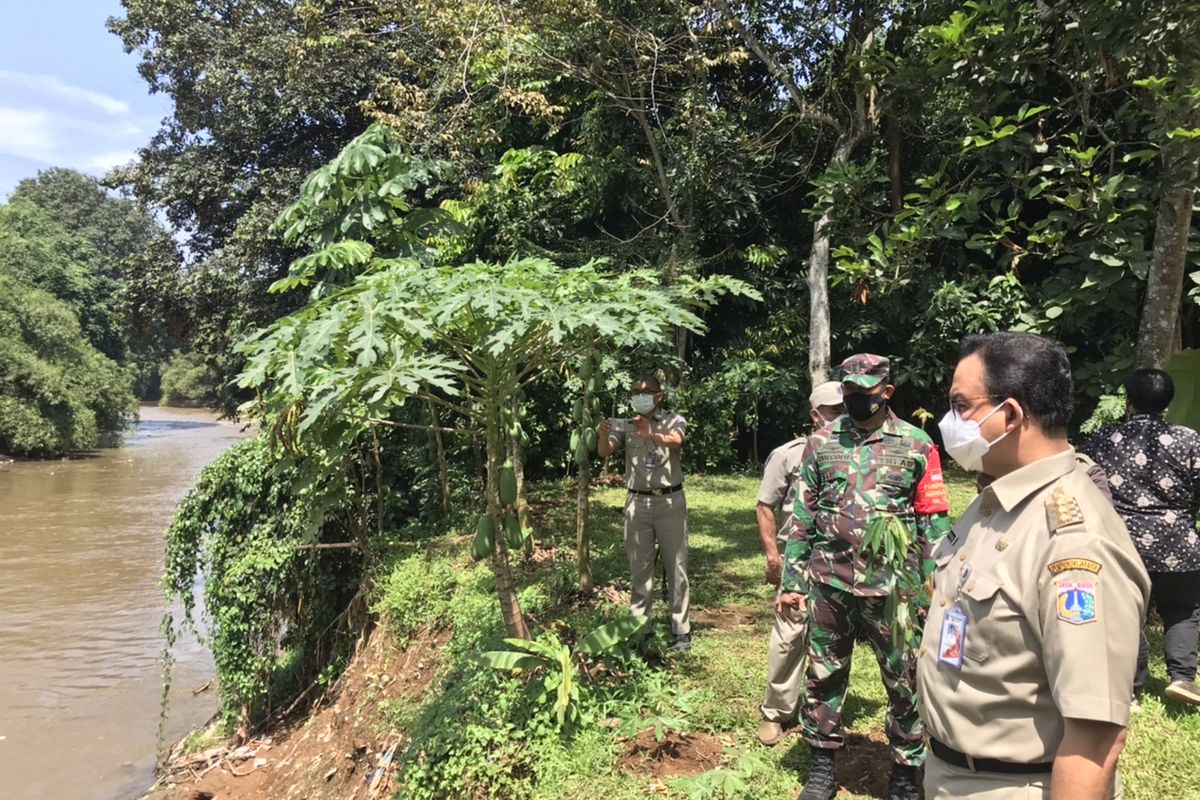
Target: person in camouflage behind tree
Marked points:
865	464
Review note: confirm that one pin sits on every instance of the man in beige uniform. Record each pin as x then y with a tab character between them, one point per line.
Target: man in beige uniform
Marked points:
656	508
785	653
1028	654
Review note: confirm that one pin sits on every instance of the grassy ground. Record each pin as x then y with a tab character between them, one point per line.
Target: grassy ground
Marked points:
728	663
725	672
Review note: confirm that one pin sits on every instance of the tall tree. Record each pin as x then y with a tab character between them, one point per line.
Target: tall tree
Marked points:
818	53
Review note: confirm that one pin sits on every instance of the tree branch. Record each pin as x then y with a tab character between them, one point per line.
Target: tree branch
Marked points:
806	109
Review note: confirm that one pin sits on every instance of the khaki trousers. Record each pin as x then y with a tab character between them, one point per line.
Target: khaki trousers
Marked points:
947	782
662	520
785	667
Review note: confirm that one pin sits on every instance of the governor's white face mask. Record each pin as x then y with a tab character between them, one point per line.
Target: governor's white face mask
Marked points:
963	441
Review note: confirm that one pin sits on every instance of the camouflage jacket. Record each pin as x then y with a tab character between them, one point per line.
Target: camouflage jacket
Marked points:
849	476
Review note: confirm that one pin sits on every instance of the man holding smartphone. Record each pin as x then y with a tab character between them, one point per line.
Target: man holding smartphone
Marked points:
656	508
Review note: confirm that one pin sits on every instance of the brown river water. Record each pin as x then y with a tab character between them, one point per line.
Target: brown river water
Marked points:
81	554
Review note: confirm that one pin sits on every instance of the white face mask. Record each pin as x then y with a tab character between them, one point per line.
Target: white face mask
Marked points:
963	441
643	404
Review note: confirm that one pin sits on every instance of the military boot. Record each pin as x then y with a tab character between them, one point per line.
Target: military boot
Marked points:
822	778
903	785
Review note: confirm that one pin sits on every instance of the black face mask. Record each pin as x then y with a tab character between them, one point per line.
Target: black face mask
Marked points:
861	407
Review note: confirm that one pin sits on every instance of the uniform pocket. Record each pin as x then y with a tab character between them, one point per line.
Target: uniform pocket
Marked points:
979	598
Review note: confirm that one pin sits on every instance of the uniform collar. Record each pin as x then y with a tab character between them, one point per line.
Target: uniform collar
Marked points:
1020	484
890	426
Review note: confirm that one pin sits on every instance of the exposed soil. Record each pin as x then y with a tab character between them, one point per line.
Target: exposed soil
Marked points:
675	756
864	765
724	618
336	752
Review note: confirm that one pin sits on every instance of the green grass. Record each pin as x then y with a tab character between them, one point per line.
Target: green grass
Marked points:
727	667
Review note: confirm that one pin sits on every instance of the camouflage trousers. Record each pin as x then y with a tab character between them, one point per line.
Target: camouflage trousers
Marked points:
836	620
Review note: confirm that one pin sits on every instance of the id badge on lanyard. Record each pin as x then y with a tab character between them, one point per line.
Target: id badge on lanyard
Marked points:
954	637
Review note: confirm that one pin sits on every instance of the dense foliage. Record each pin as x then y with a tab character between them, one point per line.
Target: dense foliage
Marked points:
77	263
187	381
500	194
57	392
953	167
271	606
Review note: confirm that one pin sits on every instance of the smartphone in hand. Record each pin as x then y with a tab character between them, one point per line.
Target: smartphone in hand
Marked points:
617	425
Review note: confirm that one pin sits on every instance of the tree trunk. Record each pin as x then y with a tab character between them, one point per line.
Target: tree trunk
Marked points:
895	188
583	536
818	273
506	590
1168	260
517	454
440	456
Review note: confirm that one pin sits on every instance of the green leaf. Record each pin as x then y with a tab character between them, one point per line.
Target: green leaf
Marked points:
606	637
1054	312
509	660
1140	155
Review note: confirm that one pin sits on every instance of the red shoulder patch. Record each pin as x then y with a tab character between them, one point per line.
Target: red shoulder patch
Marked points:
931	497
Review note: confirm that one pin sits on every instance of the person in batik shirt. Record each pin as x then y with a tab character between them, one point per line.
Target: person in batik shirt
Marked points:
1154	472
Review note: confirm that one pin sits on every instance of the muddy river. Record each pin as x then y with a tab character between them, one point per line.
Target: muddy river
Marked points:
81	554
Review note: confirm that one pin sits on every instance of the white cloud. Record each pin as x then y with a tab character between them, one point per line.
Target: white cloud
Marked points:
49	85
28	133
45	122
103	162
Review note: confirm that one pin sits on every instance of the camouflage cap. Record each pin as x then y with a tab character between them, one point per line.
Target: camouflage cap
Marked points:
866	370
826	394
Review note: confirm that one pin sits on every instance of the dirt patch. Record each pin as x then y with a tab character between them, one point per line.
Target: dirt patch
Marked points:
677	755
337	751
724	618
864	765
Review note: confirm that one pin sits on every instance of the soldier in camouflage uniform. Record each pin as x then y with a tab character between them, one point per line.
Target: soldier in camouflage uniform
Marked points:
867	463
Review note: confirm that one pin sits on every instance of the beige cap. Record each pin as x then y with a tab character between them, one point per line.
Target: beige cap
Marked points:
826	394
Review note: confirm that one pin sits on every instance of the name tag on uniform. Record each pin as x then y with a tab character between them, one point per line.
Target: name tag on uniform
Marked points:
954	637
653	458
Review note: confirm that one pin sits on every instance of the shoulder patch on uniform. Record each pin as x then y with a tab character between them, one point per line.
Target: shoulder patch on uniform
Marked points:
1066	564
1062	509
1076	602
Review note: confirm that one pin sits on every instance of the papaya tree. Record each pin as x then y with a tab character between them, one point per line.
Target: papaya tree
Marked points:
467	339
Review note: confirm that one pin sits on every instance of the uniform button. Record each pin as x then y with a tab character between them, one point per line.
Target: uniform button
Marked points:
971	586
962	556
943	603
922	650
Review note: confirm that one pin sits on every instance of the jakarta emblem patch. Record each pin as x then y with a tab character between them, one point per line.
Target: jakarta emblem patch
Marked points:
1076	602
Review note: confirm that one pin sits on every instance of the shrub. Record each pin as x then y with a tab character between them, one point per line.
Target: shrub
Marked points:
188	381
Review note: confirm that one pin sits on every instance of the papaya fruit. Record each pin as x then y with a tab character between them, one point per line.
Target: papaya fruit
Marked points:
585	369
512	532
581	453
577	409
575	439
508	484
485	538
589	438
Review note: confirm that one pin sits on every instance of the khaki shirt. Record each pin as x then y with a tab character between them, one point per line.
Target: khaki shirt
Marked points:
777	489
648	465
1054	596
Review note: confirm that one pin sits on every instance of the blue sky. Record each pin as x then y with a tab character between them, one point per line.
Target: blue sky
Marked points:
69	95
